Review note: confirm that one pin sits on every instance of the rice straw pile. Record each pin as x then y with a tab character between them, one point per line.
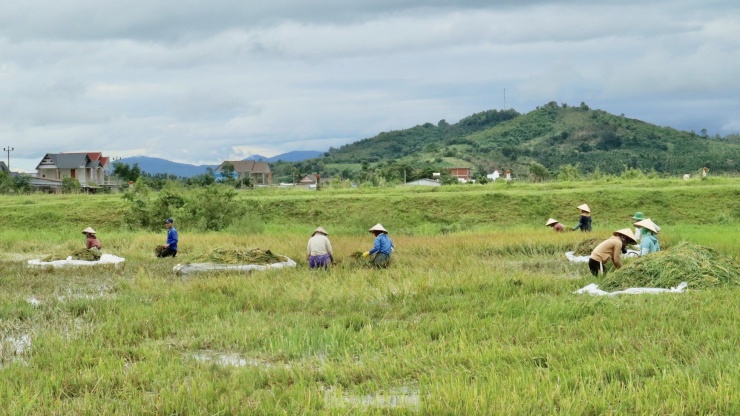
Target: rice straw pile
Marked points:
701	267
86	254
585	247
159	249
236	255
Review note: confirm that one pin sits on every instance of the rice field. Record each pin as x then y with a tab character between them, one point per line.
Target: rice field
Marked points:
480	320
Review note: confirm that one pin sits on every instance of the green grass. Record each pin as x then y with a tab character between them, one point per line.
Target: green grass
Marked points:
476	320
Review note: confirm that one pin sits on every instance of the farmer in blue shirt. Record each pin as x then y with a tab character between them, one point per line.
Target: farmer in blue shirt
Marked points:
382	248
170	248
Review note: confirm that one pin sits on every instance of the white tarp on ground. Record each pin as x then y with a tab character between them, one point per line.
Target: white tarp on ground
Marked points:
593	289
210	267
584	259
104	259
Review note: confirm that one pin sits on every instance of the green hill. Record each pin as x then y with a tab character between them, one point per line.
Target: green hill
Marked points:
552	135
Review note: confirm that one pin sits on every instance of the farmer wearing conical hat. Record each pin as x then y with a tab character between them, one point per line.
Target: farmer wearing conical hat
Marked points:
556	226
92	239
649	243
639	216
319	251
382	248
610	249
584	223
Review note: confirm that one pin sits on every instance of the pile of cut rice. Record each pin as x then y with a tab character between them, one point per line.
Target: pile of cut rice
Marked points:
701	267
87	254
585	247
237	255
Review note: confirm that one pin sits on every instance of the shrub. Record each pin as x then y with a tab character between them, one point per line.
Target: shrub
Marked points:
70	186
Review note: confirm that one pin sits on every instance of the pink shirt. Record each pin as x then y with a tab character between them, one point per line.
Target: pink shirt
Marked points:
93	242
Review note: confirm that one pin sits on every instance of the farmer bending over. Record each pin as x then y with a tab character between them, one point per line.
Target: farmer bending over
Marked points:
382	248
320	253
91	241
610	249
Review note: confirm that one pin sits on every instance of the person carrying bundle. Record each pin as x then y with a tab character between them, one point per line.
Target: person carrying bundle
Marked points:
319	251
382	248
584	223
610	249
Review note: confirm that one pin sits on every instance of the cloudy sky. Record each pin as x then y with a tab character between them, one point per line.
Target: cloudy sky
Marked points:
198	82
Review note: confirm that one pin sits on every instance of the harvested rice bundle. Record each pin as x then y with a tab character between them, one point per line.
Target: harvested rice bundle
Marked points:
701	267
236	255
87	254
356	255
585	247
159	249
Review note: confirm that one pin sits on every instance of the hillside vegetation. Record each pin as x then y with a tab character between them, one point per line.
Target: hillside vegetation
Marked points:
408	210
552	135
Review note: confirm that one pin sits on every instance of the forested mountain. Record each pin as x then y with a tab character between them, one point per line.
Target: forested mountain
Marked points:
552	135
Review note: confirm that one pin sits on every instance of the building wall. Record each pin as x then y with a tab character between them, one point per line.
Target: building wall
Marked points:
460	173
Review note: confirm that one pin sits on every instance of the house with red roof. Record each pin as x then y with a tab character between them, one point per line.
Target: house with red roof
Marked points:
88	168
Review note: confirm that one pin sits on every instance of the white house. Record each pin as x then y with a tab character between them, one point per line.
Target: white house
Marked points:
493	176
87	168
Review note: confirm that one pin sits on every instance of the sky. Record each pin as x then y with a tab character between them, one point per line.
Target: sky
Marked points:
200	82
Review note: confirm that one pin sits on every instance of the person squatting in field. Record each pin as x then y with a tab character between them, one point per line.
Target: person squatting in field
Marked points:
649	243
382	247
639	216
91	240
556	226
319	251
584	222
170	247
610	249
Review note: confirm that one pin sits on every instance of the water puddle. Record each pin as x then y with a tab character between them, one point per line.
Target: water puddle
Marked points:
33	301
12	349
101	292
399	398
233	360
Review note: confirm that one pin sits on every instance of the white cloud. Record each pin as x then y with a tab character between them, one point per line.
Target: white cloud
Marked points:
200	82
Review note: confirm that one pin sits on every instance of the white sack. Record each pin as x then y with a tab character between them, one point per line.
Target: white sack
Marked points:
593	289
206	267
104	259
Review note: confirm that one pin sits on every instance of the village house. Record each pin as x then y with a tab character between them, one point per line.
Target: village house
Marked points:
309	181
88	168
462	174
259	172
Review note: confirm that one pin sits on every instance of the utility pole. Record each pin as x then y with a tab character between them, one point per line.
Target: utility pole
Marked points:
504	98
8	149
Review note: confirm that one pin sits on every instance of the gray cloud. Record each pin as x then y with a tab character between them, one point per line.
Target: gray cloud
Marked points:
198	82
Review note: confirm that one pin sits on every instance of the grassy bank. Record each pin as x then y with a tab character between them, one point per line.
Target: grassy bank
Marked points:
480	320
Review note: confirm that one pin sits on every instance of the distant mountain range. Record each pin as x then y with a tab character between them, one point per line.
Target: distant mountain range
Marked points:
153	165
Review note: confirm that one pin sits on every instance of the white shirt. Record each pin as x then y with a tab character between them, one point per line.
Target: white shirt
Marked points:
319	244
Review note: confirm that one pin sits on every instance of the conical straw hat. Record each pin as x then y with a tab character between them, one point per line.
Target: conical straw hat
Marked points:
88	230
551	221
647	223
627	233
320	230
584	207
378	227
